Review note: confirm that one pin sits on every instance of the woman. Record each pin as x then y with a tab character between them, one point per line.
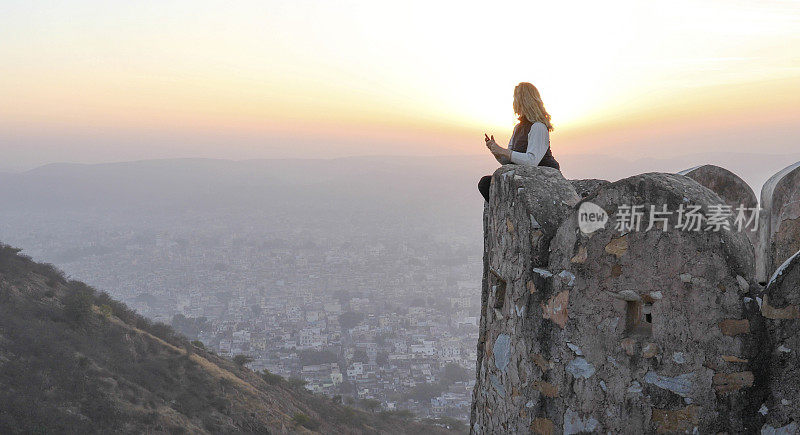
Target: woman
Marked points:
530	142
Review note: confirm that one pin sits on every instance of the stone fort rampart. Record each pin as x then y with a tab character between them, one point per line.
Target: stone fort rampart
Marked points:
649	323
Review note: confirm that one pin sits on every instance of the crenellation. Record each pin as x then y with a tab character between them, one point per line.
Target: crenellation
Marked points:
782	320
779	223
641	331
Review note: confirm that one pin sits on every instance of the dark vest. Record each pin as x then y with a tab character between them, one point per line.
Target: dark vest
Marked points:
519	143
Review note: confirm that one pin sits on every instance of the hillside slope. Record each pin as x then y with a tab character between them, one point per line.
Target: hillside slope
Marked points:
74	360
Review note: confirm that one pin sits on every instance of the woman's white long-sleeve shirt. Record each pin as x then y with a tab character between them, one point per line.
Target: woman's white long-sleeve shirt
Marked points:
538	143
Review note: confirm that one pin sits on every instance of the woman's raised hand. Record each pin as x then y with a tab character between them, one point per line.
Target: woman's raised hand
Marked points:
491	144
503	155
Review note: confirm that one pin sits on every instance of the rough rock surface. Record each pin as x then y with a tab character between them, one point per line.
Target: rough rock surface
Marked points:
779	225
781	310
731	188
526	207
588	186
644	331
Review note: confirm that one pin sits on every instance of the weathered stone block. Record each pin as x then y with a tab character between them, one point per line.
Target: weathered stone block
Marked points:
779	225
781	309
613	318
728	382
636	331
527	206
734	191
587	187
542	426
680	295
680	420
733	327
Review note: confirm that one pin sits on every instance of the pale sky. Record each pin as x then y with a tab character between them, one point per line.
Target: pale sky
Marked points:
95	81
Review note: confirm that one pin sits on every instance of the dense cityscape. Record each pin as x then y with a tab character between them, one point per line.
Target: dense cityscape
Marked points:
385	321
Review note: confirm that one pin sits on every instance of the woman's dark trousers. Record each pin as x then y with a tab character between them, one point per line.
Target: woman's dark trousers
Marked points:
484	185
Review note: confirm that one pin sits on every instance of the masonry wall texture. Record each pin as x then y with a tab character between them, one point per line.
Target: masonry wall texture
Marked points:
730	187
658	330
781	308
780	219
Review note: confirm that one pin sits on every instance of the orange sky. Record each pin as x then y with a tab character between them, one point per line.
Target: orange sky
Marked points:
99	81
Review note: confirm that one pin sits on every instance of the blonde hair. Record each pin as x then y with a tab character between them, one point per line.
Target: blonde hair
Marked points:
528	103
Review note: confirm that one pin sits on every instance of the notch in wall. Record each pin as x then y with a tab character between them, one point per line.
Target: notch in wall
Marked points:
498	286
639	318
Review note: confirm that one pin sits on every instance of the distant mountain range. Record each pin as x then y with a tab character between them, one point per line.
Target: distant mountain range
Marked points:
405	196
298	183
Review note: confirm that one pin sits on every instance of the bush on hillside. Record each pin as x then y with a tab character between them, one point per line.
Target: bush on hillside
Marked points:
370	405
296	383
403	414
105	311
271	378
78	302
305	421
242	359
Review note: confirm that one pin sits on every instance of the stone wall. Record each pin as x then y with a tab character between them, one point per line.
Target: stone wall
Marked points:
527	206
734	191
586	187
781	309
780	220
646	331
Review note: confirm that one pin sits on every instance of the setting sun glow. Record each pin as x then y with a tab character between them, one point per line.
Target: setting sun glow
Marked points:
283	79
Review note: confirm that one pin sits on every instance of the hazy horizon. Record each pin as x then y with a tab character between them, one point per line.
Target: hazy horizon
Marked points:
578	166
94	81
